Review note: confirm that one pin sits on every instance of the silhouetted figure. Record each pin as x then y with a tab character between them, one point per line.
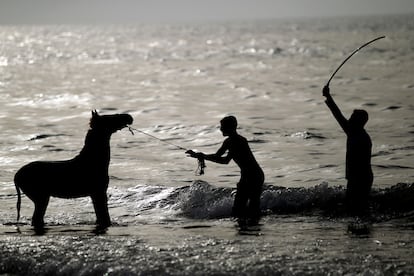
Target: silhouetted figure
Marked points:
84	175
358	156
246	205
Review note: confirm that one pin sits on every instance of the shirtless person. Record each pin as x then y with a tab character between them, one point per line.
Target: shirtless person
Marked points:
358	155
247	201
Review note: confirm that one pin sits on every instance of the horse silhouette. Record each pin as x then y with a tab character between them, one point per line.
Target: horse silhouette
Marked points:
84	175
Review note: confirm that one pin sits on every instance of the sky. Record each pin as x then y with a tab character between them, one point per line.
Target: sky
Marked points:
135	11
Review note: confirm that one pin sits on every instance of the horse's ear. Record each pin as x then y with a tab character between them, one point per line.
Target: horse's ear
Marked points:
95	113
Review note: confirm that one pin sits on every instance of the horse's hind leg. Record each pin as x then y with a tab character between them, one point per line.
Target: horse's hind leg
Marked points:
39	211
100	204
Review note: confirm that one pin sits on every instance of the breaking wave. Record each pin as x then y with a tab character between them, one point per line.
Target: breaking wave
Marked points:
201	200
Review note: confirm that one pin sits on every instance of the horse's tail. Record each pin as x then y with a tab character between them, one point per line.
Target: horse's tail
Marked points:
19	201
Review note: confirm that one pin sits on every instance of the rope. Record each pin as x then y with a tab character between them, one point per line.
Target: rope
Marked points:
201	163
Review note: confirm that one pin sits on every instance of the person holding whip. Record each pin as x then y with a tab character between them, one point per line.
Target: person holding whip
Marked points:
358	155
358	148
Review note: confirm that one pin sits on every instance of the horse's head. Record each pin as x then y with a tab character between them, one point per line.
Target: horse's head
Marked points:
110	123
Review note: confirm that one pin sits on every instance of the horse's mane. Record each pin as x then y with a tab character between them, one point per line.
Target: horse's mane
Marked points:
92	123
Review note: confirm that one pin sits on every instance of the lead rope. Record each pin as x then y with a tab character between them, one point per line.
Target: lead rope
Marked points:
201	165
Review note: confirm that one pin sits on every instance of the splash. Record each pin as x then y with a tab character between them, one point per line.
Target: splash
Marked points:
201	200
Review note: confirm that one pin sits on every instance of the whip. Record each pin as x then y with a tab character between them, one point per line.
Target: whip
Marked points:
353	53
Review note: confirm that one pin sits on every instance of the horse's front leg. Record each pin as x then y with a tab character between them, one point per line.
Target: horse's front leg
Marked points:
39	211
100	204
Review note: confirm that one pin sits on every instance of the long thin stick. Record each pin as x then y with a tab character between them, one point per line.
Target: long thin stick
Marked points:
159	139
353	53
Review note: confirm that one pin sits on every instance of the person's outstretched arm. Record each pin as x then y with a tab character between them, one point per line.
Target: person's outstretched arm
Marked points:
215	157
343	122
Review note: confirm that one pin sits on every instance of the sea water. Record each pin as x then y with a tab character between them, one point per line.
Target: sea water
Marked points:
178	81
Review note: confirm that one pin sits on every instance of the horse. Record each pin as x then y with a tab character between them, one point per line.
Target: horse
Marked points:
84	175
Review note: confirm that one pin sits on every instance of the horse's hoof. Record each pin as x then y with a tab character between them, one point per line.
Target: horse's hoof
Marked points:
40	231
100	230
103	225
39	228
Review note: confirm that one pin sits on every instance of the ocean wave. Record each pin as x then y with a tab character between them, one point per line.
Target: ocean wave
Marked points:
201	200
306	135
